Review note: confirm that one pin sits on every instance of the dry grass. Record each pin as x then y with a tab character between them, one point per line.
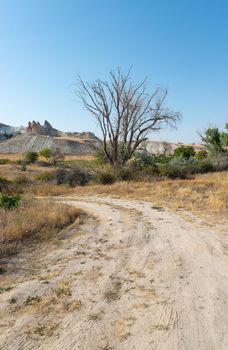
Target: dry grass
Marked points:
12	156
204	194
50	190
33	219
12	171
20	156
79	157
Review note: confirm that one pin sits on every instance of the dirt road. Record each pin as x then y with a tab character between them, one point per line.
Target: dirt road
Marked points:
134	277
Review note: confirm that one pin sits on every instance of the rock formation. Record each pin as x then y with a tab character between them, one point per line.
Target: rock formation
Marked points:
38	129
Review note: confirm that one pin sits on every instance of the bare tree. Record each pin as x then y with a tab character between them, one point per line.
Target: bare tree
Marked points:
125	112
167	148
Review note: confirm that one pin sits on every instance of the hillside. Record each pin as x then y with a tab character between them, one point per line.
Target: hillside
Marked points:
35	136
24	143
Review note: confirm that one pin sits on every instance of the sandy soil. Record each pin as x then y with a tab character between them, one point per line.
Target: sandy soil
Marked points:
133	277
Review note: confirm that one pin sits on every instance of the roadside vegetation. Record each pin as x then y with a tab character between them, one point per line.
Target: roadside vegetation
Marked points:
182	179
26	220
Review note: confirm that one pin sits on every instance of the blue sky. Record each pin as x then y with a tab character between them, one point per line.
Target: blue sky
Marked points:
181	45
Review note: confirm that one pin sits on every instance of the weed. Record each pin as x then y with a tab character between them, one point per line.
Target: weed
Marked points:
4	161
157	208
45	177
96	316
9	201
5	289
113	293
32	300
44	329
63	289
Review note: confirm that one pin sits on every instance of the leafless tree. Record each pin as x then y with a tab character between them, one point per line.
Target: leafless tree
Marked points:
167	148
125	112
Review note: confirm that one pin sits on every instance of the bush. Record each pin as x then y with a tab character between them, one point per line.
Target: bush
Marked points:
106	177
4	184
202	154
183	168
21	162
42	163
203	166
185	152
46	153
45	177
134	163
21	180
145	159
4	161
100	156
126	173
72	177
173	171
31	157
151	170
23	166
9	201
220	161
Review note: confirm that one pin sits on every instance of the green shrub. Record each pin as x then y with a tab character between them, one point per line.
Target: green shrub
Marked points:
173	171
183	168
126	173
9	201
151	170
31	156
220	161
145	159
185	152
4	161
46	153
106	177
4	184
72	177
203	166
100	156
202	154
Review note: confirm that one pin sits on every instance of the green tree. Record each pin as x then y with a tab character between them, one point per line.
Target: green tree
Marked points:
212	140
224	136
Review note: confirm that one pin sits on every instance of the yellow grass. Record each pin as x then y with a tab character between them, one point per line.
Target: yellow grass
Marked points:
204	194
80	157
34	219
12	156
19	156
12	171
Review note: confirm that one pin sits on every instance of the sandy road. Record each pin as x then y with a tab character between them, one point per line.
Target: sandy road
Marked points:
140	277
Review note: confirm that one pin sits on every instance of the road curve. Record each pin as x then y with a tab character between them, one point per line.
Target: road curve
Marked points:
146	279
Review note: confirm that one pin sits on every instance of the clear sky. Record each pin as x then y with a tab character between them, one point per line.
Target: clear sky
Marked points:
178	44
